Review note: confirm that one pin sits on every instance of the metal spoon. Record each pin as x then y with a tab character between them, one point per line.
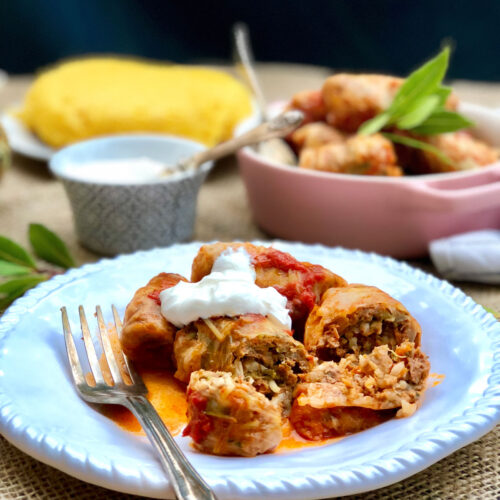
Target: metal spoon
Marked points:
276	149
278	126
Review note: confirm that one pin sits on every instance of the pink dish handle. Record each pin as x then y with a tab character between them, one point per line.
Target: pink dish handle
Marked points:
478	191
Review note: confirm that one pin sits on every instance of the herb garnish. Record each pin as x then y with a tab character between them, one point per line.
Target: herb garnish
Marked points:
415	143
492	311
419	107
18	269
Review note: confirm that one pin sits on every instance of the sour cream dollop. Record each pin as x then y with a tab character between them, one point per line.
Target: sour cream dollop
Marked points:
229	290
124	171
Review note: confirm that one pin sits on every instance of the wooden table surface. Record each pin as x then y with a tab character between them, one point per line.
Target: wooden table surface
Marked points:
28	193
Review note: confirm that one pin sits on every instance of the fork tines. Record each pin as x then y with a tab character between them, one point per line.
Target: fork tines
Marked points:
107	370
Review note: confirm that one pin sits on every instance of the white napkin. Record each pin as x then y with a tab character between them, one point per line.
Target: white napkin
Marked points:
471	256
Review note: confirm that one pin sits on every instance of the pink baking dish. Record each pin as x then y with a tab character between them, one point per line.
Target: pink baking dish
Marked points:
392	216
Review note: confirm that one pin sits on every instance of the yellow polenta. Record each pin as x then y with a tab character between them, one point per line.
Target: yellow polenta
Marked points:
100	96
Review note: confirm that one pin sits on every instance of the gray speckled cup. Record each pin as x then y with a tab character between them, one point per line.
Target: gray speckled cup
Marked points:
113	218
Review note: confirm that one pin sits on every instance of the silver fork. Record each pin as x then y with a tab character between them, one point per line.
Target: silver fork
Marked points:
187	483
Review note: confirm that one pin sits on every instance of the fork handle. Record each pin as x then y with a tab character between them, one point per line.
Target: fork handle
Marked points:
187	483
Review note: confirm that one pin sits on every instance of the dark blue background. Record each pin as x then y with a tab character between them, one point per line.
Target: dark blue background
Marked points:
380	35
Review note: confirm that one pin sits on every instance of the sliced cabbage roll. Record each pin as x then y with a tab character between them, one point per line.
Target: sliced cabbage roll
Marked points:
359	392
356	319
251	346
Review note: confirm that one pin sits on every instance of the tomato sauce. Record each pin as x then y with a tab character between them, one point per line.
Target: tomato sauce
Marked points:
200	424
162	282
155	295
281	260
300	289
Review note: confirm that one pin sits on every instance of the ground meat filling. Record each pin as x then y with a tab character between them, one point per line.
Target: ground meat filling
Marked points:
275	381
360	333
280	371
359	391
260	352
356	319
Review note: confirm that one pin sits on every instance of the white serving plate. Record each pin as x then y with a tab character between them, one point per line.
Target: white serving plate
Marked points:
41	413
24	142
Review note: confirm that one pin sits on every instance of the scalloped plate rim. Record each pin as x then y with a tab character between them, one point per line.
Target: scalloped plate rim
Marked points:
388	469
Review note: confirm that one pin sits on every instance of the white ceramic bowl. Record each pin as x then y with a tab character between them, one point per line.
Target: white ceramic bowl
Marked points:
114	218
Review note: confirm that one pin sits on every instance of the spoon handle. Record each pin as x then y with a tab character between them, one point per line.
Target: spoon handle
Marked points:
279	126
245	62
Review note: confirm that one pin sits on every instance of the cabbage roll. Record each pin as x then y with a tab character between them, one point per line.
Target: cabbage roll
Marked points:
356	319
250	346
147	337
302	283
359	392
227	416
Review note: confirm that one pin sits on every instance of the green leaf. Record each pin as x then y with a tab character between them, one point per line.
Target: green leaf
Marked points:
418	112
12	252
374	125
419	97
423	81
492	311
443	93
10	269
414	143
11	290
441	122
49	247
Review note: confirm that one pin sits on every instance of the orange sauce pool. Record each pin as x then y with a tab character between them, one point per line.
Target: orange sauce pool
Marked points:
168	396
293	441
435	379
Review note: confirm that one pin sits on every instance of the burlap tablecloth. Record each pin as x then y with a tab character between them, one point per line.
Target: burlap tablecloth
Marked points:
29	194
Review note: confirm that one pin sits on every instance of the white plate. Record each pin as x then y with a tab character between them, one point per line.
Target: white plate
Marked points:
41	414
23	141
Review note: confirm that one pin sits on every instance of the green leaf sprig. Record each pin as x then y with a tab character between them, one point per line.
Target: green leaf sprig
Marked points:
419	107
49	247
492	311
19	270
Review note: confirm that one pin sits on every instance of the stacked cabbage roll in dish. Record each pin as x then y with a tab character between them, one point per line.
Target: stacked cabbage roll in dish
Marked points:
329	140
351	359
